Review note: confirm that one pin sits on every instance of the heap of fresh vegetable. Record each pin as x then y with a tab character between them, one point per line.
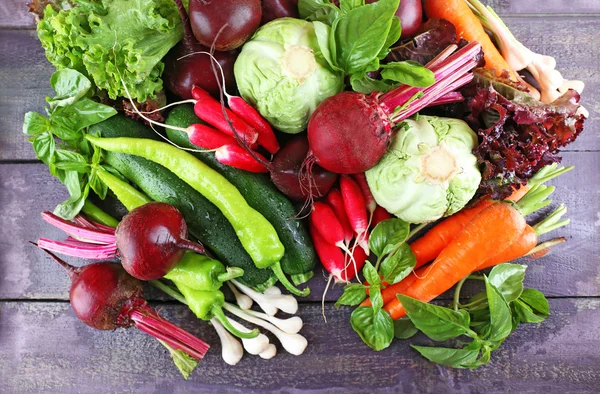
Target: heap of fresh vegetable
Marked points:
209	192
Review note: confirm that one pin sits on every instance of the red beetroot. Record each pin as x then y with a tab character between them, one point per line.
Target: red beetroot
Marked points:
105	297
152	239
275	9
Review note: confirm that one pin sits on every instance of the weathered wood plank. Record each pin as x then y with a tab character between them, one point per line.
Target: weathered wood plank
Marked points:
13	13
45	349
24	74
28	189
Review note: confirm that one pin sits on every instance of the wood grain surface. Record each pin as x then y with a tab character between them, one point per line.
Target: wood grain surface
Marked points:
44	348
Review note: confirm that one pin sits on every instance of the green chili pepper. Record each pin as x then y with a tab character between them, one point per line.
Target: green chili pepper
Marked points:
256	234
199	272
129	196
207	304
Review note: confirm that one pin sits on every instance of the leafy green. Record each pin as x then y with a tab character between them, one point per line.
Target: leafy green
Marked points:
455	358
318	11
183	361
397	266
508	279
368	85
106	40
404	328
375	327
536	300
388	235
73	161
408	73
354	294
500	315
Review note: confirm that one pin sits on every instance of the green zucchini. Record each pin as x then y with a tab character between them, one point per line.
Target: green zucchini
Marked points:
260	193
204	220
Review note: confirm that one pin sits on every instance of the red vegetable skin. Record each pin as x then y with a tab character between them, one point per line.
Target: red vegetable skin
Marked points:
209	138
105	297
275	9
286	169
226	24
336	202
234	155
330	255
361	180
327	224
379	216
410	13
152	239
266	136
182	73
354	203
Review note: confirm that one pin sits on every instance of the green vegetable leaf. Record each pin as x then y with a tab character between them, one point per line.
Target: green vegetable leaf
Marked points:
393	36
70	161
375	328
408	73
354	294
455	358
349	5
44	146
69	85
500	315
367	85
536	300
80	115
97	185
183	361
318	10
376	297
371	274
35	124
508	279
322	32
388	235
397	266
438	323
361	34
70	208
404	328
525	314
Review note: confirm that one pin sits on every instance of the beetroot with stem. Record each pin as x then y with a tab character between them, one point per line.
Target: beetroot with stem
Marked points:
105	297
188	64
349	133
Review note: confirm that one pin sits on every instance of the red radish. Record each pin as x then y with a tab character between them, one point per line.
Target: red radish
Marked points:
208	137
152	239
330	255
354	203
336	202
361	180
225	25
379	216
349	133
234	155
286	174
327	224
189	64
105	297
358	259
266	136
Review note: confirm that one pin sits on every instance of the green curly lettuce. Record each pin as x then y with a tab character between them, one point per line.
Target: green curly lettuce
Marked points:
107	40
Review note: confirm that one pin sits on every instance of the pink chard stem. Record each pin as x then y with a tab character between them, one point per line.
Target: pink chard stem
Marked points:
78	231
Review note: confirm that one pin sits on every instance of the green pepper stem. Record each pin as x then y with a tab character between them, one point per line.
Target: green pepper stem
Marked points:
220	316
286	283
231	273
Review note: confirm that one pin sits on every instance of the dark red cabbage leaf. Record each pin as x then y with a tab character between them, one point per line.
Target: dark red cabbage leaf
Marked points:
519	137
431	39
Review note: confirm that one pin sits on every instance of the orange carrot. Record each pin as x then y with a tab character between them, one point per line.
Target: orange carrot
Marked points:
496	226
429	246
526	242
468	27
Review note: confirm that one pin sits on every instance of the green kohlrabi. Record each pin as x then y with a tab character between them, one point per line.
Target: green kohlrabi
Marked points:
284	74
429	170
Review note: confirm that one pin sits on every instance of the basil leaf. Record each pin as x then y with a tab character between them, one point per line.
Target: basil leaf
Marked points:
322	32
404	328
500	315
408	73
97	185
35	124
371	274
536	301
349	5
438	323
455	358
525	314
393	36
69	85
508	279
318	10
70	208
376	297
44	146
388	235
375	328
82	114
361	34
367	85
70	161
397	266
354	294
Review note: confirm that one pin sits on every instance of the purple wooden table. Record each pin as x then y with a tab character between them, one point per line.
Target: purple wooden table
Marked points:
44	348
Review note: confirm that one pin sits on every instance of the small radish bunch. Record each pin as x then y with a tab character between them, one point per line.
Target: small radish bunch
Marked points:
150	240
104	296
